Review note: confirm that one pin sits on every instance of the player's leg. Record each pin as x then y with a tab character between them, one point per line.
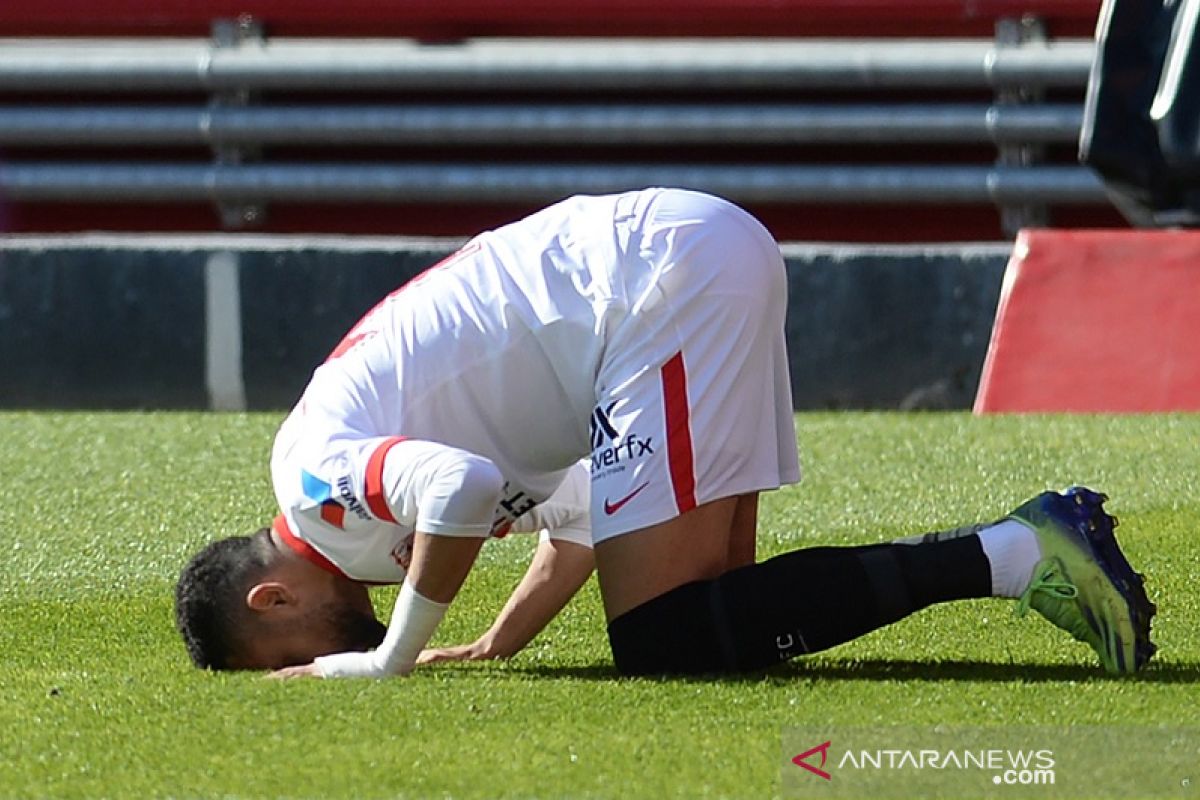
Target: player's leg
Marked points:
702	544
743	534
1056	553
638	566
796	603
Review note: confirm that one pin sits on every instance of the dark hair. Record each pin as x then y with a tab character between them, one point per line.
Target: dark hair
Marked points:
210	609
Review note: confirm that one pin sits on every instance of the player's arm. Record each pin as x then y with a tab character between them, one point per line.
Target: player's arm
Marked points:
555	574
561	564
451	495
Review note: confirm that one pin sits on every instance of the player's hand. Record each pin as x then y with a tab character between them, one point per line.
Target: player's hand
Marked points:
301	671
463	652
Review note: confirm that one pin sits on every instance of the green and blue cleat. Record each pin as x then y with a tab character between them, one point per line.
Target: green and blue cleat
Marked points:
1083	583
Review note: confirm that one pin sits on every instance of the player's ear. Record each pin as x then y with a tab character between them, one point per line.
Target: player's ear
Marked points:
266	595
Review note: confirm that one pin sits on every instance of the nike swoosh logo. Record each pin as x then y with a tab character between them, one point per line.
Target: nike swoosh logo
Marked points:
612	508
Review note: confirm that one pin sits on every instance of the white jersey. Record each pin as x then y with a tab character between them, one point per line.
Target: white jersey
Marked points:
495	350
472	361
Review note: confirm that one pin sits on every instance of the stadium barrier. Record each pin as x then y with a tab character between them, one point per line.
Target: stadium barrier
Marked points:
239	321
1096	321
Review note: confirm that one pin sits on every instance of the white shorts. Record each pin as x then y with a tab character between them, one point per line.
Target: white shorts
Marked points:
694	400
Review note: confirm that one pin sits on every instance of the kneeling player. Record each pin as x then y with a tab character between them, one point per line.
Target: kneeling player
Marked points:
643	332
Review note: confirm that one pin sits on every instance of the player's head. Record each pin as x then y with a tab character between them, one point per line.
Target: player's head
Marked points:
246	603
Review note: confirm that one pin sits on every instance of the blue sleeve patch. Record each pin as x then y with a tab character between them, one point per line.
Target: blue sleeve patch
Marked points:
314	488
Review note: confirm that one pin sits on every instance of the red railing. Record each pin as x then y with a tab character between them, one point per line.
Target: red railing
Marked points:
448	19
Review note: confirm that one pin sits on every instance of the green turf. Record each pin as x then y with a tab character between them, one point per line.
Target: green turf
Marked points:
101	510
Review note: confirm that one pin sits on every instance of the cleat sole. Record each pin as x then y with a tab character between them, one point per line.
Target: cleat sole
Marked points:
1130	584
1091	530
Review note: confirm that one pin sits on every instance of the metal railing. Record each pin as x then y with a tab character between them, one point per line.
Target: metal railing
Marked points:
451	182
538	124
596	86
135	65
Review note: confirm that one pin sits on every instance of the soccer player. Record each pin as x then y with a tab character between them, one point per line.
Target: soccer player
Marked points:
644	333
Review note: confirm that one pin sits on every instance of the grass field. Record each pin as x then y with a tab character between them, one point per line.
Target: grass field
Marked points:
101	511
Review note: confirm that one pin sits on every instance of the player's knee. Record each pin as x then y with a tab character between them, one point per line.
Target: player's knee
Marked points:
675	633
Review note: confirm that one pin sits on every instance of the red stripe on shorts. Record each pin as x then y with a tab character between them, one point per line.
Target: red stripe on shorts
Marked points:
679	434
373	484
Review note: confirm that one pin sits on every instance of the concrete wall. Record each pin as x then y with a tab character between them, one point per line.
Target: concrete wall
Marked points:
231	322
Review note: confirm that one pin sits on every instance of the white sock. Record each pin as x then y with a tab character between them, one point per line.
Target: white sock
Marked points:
1012	552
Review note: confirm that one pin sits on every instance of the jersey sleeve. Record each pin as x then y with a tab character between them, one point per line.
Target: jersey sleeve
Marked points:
432	487
566	514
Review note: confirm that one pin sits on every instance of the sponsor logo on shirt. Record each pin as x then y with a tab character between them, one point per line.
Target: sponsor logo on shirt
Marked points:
333	500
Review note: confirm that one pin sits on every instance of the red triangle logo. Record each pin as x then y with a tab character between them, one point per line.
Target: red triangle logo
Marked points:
823	749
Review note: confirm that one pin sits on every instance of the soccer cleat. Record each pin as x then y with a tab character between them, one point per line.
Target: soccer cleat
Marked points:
1083	584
